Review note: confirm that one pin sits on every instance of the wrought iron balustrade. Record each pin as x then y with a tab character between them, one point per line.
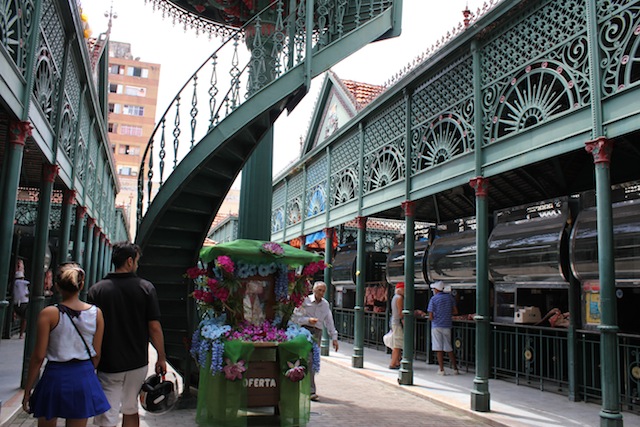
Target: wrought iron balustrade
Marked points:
279	38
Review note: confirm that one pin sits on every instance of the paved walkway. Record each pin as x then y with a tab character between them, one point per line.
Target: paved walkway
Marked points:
372	397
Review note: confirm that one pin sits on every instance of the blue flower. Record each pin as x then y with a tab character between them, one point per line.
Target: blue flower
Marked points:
263	270
316	358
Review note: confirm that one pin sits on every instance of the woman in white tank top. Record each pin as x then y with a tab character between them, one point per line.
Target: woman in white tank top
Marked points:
69	336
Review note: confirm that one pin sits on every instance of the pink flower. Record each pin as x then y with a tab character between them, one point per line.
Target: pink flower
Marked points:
195	272
233	371
313	268
225	263
295	372
272	248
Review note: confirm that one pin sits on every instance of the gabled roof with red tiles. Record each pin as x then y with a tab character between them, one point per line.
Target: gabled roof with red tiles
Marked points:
363	93
338	102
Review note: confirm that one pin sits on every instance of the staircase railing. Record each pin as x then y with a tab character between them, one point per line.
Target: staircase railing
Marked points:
279	38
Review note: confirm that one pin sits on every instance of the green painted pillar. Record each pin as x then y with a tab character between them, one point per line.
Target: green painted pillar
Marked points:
36	296
19	131
325	344
88	245
357	360
78	240
480	397
405	375
610	414
68	200
94	257
572	342
100	263
254	218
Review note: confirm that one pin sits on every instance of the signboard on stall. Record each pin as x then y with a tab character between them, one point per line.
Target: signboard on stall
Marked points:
591	300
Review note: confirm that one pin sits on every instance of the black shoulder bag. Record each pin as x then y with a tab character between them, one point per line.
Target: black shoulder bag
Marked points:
66	310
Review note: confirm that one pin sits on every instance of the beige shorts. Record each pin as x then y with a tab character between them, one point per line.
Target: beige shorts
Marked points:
398	336
122	390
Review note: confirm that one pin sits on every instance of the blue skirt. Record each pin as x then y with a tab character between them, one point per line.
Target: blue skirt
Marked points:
69	390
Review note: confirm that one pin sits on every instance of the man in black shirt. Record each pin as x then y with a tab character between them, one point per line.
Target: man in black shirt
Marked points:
132	319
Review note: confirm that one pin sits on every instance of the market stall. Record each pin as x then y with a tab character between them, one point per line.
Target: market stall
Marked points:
250	353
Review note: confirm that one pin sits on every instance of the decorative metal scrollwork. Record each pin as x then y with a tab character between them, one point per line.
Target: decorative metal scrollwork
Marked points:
66	132
540	91
386	167
294	212
344	187
443	139
316	201
43	88
277	220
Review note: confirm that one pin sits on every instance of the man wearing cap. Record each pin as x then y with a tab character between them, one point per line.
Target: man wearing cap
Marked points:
21	299
442	306
397	304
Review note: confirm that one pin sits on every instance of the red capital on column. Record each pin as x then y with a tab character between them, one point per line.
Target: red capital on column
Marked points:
601	149
409	208
480	185
97	230
70	198
103	238
328	231
91	222
361	222
19	132
50	172
80	212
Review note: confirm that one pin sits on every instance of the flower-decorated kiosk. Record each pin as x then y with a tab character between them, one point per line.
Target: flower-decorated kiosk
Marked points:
249	351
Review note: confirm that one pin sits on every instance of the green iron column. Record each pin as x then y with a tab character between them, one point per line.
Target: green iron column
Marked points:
325	344
88	245
610	414
36	295
68	200
254	218
480	397
78	241
357	360
94	257
572	341
100	264
405	375
19	131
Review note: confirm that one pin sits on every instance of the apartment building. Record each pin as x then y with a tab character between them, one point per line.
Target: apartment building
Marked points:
133	96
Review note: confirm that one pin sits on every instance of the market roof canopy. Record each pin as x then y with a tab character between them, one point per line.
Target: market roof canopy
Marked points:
251	251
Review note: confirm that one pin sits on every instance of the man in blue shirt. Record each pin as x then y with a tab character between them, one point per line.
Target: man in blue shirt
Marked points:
441	307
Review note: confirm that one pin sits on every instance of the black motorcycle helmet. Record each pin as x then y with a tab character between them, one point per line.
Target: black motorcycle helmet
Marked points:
158	395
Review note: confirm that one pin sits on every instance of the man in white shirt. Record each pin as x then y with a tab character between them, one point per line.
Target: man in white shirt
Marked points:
315	314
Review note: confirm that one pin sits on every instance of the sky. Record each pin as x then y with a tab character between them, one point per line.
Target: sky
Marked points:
157	39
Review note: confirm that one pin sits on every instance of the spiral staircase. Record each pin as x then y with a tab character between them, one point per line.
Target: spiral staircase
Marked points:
175	211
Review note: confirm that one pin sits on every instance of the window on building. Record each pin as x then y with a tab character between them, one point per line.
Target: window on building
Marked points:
128	150
130	130
138	72
116	69
133	110
127	171
113	148
115	108
113	127
135	91
115	88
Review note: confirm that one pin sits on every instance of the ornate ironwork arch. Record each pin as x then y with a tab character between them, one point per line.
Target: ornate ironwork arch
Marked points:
540	91
316	201
385	166
445	137
344	187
